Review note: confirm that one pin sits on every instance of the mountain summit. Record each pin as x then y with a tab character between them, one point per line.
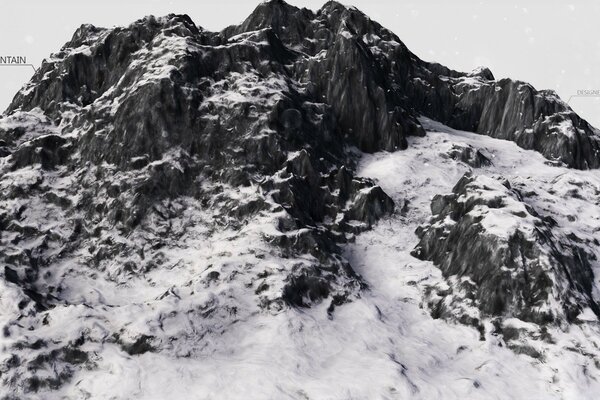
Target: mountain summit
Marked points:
294	207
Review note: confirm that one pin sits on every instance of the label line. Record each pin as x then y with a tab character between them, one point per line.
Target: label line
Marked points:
19	65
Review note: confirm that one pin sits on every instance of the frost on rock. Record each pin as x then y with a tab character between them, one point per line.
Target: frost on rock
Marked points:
504	257
184	206
188	173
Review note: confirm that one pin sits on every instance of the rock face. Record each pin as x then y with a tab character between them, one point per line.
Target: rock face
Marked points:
504	256
197	167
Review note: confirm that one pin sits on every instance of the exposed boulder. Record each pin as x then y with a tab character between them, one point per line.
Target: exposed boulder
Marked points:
469	155
222	164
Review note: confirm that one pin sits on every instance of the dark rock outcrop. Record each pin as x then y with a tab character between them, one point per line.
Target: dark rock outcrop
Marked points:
160	101
469	155
133	142
504	256
511	110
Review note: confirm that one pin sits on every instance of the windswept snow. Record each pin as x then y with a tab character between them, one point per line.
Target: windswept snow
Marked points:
398	281
384	345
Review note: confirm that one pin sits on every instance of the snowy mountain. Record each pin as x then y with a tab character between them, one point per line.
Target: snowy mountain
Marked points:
294	207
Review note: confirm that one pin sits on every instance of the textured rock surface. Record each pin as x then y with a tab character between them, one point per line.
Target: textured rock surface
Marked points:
123	129
469	155
161	185
510	261
511	110
374	87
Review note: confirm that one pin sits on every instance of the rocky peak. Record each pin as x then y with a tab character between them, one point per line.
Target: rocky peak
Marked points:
342	18
335	44
512	262
288	22
276	14
483	73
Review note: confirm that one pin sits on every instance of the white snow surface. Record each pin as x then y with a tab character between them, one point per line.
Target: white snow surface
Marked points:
384	345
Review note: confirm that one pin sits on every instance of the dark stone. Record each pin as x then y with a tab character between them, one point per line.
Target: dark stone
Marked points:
11	275
304	289
469	155
514	276
370	205
213	276
142	344
49	151
74	356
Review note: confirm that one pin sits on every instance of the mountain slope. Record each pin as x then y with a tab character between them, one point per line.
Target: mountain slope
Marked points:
184	207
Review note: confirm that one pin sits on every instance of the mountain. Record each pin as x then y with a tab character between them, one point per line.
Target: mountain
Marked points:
294	207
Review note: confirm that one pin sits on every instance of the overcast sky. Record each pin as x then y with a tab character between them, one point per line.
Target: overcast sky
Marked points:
549	43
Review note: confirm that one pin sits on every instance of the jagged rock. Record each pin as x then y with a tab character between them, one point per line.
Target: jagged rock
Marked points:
134	119
141	345
304	289
370	205
222	165
49	151
506	254
469	155
513	110
375	86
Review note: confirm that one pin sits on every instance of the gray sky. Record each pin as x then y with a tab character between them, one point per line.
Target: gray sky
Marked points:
551	44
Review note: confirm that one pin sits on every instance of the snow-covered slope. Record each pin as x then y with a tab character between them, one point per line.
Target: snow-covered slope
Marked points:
557	362
384	344
269	212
